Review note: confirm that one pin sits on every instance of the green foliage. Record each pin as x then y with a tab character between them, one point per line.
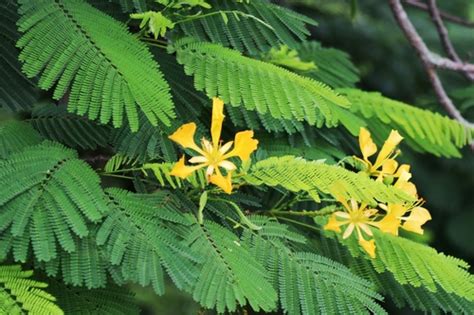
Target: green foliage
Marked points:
308	283
249	34
86	266
148	143
138	239
55	123
16	92
16	135
19	294
261	86
132	5
416	297
420	266
288	58
334	67
296	174
76	300
103	70
229	275
423	130
51	197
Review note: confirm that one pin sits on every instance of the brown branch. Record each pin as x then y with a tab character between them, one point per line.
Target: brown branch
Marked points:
444	36
427	59
445	16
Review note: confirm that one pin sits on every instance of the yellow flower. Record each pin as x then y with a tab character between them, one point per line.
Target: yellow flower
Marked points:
392	221
418	216
357	218
385	164
213	155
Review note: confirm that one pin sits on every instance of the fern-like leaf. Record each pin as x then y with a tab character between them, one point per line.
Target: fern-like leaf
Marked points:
423	129
417	298
262	87
148	143
334	67
56	124
308	283
51	197
15	136
138	240
111	300
87	265
260	26
229	274
108	71
297	174
19	294
418	265
16	91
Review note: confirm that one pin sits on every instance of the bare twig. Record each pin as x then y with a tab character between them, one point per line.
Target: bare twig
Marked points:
427	59
445	16
444	36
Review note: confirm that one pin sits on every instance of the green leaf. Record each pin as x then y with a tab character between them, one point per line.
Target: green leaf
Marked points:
20	295
262	87
296	174
55	123
51	196
139	240
15	136
229	274
423	130
308	283
268	24
109	72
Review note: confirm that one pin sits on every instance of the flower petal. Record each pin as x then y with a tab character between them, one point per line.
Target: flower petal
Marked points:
364	227
244	145
348	231
418	216
217	119
388	147
389	167
403	182
198	159
367	145
391	222
228	165
184	136
223	150
183	171
368	246
225	183
333	224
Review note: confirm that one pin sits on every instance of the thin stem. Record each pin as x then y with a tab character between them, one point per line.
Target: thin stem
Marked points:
156	45
427	60
242	216
444	15
444	36
310	227
124	170
117	176
304	213
197	17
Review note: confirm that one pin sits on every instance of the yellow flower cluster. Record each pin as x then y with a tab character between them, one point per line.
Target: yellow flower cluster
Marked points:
213	155
389	218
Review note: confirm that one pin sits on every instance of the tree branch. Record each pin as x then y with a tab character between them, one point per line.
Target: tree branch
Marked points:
427	59
444	36
445	16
